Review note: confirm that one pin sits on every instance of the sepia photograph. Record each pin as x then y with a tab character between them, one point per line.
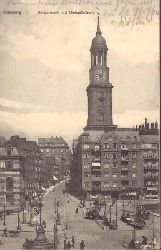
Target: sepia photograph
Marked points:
79	124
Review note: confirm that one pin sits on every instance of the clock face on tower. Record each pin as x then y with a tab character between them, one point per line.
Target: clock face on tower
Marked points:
100	75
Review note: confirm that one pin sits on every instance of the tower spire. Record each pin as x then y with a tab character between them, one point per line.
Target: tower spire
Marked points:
98	27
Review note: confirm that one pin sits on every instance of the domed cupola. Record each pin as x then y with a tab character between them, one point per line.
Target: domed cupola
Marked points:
98	41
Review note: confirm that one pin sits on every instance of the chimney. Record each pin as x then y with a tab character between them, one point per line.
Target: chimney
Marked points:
136	127
145	122
148	126
139	127
142	127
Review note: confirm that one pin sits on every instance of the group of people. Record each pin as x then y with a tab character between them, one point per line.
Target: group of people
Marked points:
133	244
69	245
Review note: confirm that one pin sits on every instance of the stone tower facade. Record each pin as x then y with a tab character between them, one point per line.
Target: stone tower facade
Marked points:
99	91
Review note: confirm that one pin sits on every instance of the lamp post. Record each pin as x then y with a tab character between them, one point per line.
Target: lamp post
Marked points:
116	213
18	220
4	215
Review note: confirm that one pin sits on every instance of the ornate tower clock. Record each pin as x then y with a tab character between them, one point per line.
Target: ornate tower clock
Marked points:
99	91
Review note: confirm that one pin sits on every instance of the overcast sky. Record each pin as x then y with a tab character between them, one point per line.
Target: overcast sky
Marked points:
44	72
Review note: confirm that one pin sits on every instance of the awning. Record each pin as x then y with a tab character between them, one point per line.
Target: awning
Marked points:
96	164
152	188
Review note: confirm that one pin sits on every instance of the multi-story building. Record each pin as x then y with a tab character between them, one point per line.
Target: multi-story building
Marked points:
107	160
52	165
32	166
11	181
21	170
58	147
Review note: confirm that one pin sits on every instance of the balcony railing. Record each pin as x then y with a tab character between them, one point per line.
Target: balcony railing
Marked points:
151	176
150	156
152	166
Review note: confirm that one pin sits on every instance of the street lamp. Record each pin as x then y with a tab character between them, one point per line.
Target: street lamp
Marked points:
18	220
4	215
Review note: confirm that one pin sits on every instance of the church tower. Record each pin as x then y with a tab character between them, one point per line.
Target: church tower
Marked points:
99	91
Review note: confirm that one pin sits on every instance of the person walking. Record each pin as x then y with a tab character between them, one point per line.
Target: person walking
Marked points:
65	242
82	244
68	245
76	211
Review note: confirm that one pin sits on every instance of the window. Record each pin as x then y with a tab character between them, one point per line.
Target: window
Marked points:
106	145
86	146
9	151
106	174
86	184
86	155
133	174
134	155
114	156
133	164
42	150
47	150
134	145
114	184
9	165
114	174
114	164
123	145
2	164
107	165
86	166
106	155
106	184
115	145
61	150
86	174
145	154
134	183
9	184
96	147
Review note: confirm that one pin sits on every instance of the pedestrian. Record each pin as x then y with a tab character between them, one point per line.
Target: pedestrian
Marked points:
65	242
68	245
144	241
82	244
76	211
73	241
4	232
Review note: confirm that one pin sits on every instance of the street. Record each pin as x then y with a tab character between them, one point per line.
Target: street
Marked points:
74	224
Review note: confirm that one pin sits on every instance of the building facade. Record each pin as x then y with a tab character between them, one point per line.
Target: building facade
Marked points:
11	181
54	148
109	161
